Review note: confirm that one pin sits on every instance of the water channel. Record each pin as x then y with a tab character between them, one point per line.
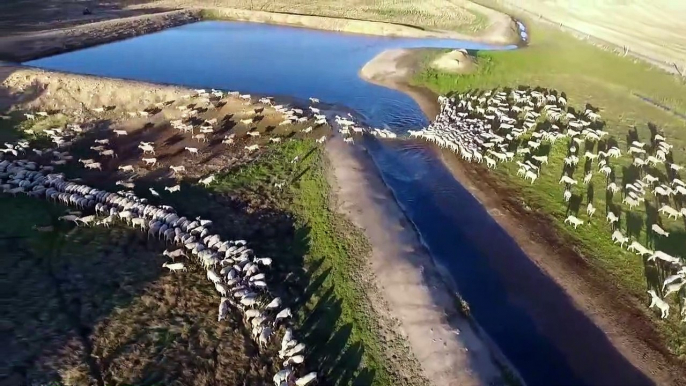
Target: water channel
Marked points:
531	319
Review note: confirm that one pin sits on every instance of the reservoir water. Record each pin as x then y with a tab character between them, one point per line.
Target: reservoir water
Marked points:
526	314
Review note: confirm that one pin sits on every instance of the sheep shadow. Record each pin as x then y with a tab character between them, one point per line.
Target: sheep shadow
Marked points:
83	275
634	225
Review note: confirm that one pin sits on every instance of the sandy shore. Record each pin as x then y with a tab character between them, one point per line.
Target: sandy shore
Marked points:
624	322
392	69
447	347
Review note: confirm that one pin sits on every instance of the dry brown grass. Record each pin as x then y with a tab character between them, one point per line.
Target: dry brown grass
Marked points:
432	14
654	29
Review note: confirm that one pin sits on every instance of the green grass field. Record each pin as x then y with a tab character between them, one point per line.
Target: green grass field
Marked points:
334	260
588	75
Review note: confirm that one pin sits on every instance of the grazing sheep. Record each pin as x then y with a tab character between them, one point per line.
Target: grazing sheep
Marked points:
207	180
590	210
149	161
125	168
618	237
94	165
567	180
200	137
120	132
567	195
177	169
656	228
573	221
192	150
655	301
174	254
175	266
109	153
173	189
665	257
635	246
672	288
306	379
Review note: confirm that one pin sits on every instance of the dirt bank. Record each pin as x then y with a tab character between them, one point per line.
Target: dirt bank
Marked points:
77	94
443	341
624	321
33	45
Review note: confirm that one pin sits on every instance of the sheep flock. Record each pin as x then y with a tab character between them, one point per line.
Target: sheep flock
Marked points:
521	125
239	277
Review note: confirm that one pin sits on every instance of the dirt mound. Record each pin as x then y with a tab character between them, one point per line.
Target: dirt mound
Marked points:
456	62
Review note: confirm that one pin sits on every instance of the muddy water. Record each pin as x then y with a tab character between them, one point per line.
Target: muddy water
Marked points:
529	318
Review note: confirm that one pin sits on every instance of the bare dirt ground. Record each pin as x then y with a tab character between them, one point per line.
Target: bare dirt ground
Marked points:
653	29
448	348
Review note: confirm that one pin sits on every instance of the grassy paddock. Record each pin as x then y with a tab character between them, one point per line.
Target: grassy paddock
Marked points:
588	75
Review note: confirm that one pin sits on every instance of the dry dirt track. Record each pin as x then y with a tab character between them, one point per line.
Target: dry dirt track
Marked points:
654	29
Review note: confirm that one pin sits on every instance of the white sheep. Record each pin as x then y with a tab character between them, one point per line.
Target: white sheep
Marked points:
213	277
567	195
294	360
177	169
173	189
149	161
567	180
618	237
306	379
94	165
665	257
656	228
572	220
174	254
590	210
674	287
635	246
655	301
207	180
670	211
175	266
192	150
